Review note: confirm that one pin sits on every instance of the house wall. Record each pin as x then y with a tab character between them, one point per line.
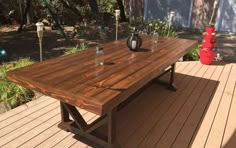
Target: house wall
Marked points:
226	20
159	9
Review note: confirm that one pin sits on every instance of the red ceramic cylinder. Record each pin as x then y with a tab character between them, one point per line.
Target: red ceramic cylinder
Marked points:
210	38
210	29
207	57
206	44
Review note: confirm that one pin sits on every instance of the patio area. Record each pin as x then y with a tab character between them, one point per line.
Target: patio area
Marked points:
201	113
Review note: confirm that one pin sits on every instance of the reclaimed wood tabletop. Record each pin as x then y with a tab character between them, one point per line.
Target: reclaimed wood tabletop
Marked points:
76	79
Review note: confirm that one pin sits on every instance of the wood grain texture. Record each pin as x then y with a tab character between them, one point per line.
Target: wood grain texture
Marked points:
153	117
75	79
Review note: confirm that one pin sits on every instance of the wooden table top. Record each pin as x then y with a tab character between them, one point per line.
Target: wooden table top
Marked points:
76	80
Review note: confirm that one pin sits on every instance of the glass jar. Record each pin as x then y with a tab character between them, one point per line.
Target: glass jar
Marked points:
99	57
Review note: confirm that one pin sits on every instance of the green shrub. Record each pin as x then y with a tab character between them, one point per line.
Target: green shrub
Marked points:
162	28
12	94
193	54
79	47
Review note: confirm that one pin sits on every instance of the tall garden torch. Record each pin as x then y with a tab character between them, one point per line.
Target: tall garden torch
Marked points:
117	14
40	36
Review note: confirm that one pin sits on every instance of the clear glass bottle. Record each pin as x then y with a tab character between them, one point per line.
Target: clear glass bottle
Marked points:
155	37
99	57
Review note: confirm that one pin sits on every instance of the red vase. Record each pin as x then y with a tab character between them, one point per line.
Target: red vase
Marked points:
210	29
207	56
209	38
206	44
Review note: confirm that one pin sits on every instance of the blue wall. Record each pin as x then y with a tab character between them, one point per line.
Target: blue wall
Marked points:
226	20
159	9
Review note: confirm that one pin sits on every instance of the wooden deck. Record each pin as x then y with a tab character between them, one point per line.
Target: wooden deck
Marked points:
199	114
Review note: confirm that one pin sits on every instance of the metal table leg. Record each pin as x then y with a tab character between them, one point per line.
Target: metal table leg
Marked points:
170	85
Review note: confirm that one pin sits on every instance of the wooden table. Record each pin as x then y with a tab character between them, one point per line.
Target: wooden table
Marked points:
76	81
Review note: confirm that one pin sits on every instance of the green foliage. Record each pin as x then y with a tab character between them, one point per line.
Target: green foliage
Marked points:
12	94
193	54
162	28
107	6
80	47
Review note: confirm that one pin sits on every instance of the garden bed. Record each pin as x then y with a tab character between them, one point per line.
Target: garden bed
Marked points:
13	95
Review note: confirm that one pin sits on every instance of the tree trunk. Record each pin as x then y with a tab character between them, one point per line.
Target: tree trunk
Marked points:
24	18
69	5
94	8
122	10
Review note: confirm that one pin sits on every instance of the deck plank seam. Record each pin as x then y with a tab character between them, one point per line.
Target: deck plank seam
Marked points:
168	108
24	106
228	114
205	110
26	116
90	119
45	122
156	106
33	119
217	107
180	108
208	81
46	130
177	113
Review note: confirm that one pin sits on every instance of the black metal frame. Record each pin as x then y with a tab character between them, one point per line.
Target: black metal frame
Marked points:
170	85
79	126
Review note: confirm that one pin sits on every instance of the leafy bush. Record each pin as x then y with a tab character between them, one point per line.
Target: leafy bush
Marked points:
79	47
107	6
193	54
160	27
12	94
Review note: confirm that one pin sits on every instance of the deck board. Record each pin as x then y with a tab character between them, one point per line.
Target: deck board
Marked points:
200	113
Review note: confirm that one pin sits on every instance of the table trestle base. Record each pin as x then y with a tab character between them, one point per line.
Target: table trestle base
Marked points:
170	85
78	126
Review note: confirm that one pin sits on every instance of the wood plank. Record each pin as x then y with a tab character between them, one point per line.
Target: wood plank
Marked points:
139	79
175	126
160	127
22	108
70	140
34	116
200	137
78	59
149	101
79	145
146	127
217	130
60	136
96	102
32	133
58	61
46	134
137	131
187	131
85	68
26	113
104	71
229	139
130	110
81	101
28	127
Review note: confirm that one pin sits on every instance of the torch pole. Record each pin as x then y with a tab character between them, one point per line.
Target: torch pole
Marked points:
40	50
117	29
40	37
117	14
